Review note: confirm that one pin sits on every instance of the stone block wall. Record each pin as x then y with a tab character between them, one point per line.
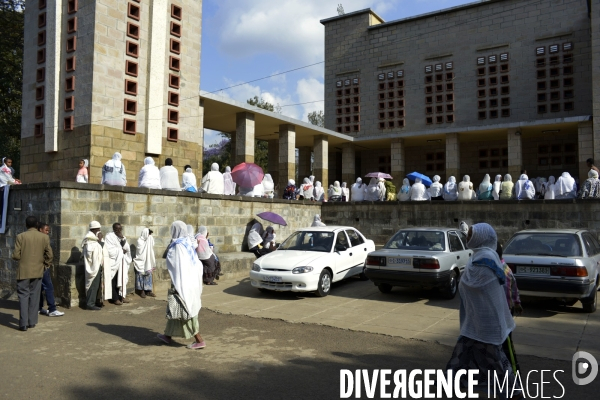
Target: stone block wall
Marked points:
69	207
379	221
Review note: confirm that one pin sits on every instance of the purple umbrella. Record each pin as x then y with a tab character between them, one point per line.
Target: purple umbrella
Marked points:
379	175
247	175
272	217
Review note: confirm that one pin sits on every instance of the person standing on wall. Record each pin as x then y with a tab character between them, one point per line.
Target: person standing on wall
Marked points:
93	260
117	258
33	251
47	286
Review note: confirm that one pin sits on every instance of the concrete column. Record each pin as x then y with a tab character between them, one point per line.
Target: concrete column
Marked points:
200	138
274	160
52	76
304	162
287	152
453	156
585	147
398	162
321	152
595	54
515	153
348	163
232	154
244	138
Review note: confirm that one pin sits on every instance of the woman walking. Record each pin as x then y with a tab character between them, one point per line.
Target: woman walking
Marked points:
485	320
186	277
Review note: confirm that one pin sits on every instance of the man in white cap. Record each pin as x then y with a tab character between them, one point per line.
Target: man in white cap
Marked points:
92	260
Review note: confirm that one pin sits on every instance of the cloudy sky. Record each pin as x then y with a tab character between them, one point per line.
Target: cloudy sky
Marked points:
243	40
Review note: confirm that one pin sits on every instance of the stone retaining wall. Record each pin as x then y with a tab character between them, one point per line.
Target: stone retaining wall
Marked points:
379	221
69	207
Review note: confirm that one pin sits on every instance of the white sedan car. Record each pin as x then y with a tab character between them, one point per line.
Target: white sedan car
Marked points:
311	259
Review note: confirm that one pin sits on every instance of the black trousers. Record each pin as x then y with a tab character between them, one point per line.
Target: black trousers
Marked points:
115	289
29	291
92	293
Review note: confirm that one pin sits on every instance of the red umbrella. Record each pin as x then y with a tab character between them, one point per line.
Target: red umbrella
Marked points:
247	175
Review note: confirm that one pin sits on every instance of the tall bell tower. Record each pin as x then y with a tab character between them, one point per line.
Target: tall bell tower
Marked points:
102	76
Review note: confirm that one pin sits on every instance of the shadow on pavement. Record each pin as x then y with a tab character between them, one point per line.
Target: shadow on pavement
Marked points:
134	334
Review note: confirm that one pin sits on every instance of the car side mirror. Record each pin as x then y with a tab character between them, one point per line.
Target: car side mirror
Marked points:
340	247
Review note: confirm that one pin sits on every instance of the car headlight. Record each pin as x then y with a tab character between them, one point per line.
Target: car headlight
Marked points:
256	267
302	270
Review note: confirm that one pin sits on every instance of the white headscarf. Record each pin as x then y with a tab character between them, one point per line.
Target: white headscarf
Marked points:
255	236
404	192
308	191
463	227
485	185
116	158
188	179
337	189
358	190
524	188
213	182
268	184
317	221
291	182
345	191
113	172
484	313
550	189
203	250
184	268
149	175
565	184
436	188
319	191
450	192
229	184
145	260
312	179
497	187
418	191
373	191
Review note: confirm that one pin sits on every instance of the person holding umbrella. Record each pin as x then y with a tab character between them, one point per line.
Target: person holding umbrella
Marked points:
247	176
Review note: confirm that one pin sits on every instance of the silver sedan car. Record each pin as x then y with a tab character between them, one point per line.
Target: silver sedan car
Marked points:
556	263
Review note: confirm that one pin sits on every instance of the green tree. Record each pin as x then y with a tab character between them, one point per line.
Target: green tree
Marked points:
317	118
11	78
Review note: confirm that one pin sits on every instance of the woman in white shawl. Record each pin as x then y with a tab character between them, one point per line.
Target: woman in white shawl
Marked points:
144	263
485	189
436	189
213	182
268	186
255	240
149	175
190	231
450	192
229	184
404	193
189	183
317	221
485	319
186	276
565	187
497	187
269	238
113	172
372	192
345	192
307	190
358	190
207	257
524	188
465	189
418	191
319	192
336	190
381	189
549	189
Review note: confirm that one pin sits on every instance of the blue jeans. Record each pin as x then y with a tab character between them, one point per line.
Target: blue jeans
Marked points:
49	289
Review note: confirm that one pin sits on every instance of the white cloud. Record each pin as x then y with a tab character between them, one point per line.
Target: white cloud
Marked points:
310	90
289	29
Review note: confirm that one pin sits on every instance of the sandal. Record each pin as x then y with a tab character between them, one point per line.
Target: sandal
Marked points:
164	339
196	345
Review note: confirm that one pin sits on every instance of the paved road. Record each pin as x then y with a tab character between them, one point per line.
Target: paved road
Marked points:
113	354
546	329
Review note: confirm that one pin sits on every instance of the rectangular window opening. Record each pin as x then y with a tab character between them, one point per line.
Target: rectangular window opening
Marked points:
41	38
129	126
72	25
130	107
176	12
133	30
175	29
132	49
131	68
71	63
38	130
70	84
174	63
133	11
175	46
69	103
41	20
40	74
71	44
39	93
41	56
72	6
69	123
131	87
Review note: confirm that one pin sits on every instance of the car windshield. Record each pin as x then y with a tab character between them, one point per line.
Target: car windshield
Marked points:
417	240
309	241
544	244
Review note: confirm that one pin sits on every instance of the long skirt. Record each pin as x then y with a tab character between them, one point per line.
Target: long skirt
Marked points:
212	268
143	282
184	329
472	354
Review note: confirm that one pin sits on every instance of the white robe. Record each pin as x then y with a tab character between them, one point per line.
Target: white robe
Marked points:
113	173
358	191
255	236
188	179
169	178
435	190
418	192
465	191
92	258
116	263
213	183
319	192
186	272
149	177
228	184
145	260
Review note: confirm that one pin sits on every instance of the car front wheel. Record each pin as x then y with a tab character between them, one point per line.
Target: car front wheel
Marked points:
451	287
590	304
324	283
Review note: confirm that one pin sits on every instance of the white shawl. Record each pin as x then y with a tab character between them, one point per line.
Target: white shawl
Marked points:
169	178
213	182
564	185
229	184
319	192
497	187
184	268
203	250
113	172
255	236
92	258
149	175
145	260
116	263
317	221
188	180
358	190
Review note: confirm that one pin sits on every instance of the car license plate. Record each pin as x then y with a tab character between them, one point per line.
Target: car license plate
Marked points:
275	279
533	270
399	261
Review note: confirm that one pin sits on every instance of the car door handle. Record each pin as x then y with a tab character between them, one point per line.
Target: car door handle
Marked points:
458	257
469	254
350	254
366	250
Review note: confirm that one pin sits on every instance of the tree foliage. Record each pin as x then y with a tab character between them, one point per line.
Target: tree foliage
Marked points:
11	77
317	118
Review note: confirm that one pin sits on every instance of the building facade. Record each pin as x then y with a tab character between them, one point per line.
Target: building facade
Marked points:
110	75
491	87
